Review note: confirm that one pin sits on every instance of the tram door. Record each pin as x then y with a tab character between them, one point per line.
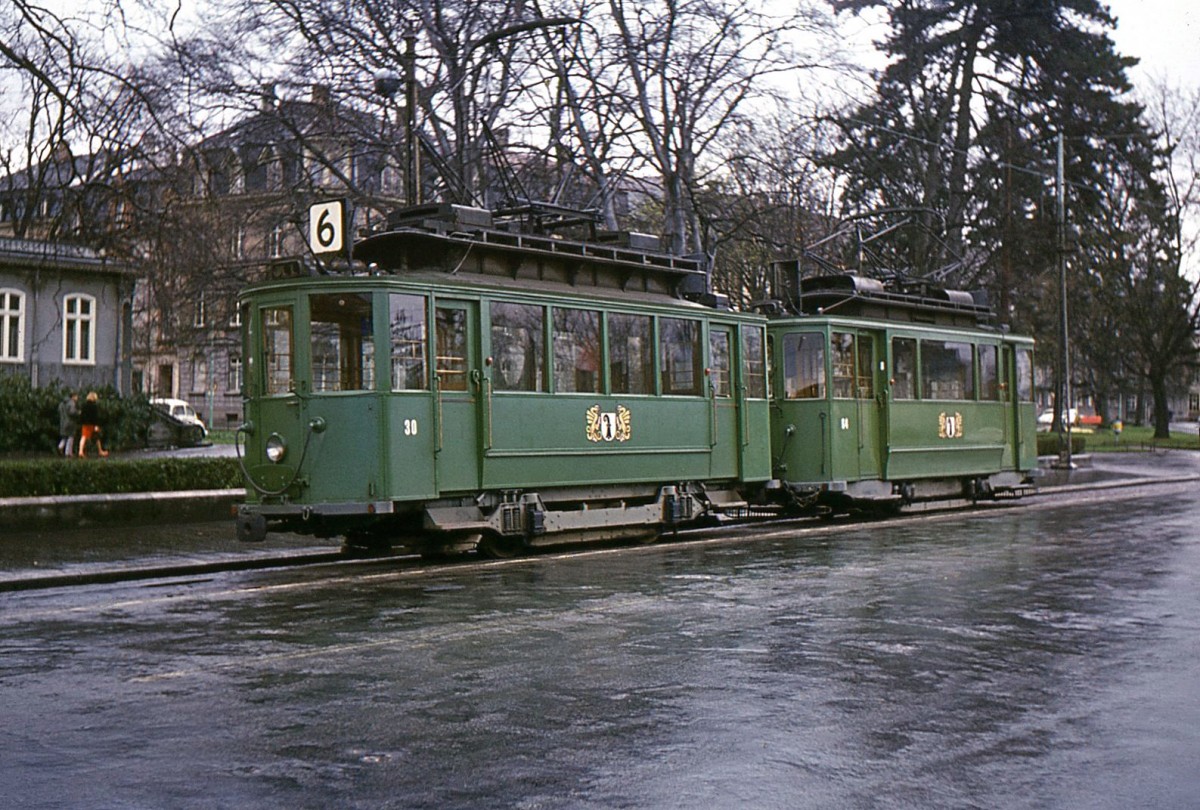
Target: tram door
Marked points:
1009	392
871	384
457	380
857	410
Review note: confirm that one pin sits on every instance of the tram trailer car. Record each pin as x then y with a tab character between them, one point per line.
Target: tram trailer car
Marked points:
475	387
884	397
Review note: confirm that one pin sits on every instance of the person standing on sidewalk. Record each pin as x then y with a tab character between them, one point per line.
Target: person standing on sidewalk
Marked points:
68	424
89	415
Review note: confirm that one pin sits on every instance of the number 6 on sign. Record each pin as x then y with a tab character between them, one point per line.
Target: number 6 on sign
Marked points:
326	225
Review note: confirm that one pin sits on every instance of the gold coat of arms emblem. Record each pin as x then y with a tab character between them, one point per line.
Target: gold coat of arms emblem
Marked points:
950	425
609	426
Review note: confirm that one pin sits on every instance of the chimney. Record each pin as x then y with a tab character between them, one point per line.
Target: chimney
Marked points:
321	96
268	97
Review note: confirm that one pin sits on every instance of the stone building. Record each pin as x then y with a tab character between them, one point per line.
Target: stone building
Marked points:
244	197
65	314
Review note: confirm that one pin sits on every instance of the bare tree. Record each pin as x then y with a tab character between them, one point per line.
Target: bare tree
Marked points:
654	86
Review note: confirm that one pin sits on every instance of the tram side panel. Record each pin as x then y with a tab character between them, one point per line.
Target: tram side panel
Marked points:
682	416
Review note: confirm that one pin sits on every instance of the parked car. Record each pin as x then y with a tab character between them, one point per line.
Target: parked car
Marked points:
1045	419
179	425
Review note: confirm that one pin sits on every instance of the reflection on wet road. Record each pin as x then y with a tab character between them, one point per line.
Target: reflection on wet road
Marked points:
1021	658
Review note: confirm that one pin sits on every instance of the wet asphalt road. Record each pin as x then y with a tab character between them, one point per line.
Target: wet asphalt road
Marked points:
1041	656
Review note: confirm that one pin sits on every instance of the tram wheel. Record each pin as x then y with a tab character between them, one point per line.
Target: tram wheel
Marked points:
499	547
648	538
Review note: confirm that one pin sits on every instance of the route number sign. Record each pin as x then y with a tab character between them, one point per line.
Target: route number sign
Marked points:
327	227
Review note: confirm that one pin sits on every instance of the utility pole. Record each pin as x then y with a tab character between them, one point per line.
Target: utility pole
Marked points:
387	84
1064	390
412	173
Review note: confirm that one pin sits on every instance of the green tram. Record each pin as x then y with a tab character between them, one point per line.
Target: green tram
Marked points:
884	397
474	387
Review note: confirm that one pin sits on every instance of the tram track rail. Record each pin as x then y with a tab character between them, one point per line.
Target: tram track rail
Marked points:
173	572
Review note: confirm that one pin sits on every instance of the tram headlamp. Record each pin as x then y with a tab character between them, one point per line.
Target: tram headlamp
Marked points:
276	448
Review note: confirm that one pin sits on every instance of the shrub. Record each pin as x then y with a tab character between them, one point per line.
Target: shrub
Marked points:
29	416
24	478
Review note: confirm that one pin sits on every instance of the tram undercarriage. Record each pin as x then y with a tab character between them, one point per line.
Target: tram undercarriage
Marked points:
501	524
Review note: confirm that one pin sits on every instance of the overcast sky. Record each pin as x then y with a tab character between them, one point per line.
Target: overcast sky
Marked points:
1164	34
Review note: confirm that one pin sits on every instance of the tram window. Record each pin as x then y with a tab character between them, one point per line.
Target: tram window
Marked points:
518	347
946	370
680	357
865	382
343	348
718	362
1024	375
630	362
804	365
754	364
409	333
451	337
904	368
576	351
278	350
989	373
841	347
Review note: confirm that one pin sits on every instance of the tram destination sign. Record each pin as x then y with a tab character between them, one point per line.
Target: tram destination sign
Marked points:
327	227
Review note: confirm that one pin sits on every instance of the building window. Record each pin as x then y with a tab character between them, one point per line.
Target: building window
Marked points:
198	314
274	174
79	330
12	326
199	374
233	383
275	241
237	243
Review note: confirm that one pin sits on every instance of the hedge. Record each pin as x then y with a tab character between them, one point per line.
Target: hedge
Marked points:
1049	444
24	478
29	416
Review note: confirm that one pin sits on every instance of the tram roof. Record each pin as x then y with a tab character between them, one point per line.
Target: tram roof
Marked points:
857	296
456	239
